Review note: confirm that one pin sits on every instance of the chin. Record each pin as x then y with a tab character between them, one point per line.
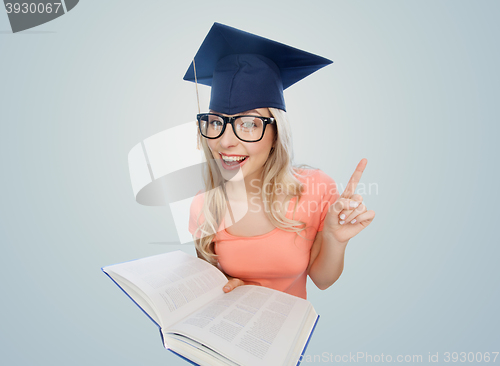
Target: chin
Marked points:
230	175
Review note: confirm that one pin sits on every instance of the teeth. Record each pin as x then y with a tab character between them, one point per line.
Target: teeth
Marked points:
233	158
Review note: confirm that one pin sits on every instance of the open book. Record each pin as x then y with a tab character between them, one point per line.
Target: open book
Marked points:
182	295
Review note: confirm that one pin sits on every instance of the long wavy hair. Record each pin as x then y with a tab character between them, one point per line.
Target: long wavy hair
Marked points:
278	175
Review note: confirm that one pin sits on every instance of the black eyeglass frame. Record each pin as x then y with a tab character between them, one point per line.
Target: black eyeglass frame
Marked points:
230	120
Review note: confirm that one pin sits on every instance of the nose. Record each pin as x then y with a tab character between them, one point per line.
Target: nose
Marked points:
228	138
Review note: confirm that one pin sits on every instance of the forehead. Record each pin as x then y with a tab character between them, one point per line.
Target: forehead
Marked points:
264	112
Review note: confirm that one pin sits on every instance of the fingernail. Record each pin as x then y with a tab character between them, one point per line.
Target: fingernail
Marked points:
227	288
353	221
341	222
342	217
354	204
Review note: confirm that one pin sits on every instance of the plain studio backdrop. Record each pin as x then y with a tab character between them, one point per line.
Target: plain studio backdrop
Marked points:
414	88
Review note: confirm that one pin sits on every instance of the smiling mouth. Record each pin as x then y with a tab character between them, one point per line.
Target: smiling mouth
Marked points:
233	160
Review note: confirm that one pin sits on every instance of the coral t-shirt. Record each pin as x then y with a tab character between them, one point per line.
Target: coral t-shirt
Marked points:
277	259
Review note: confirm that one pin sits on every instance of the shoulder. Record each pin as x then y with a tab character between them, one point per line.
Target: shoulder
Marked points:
197	203
309	172
195	213
308	176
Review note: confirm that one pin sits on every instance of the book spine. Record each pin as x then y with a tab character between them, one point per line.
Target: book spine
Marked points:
308	339
130	297
188	360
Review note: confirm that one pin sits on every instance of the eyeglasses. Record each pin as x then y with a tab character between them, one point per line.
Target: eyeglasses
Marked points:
246	128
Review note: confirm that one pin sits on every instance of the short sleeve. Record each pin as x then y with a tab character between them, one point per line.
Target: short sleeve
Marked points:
196	208
329	195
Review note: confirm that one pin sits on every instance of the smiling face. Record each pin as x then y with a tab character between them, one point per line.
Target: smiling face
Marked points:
229	148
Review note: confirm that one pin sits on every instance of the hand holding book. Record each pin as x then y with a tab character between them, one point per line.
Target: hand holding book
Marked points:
233	282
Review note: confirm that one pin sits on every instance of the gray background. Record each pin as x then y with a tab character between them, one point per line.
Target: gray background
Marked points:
412	89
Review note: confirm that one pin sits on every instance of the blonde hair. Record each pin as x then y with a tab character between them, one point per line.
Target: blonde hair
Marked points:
278	172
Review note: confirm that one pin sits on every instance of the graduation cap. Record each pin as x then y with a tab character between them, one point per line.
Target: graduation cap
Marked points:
247	71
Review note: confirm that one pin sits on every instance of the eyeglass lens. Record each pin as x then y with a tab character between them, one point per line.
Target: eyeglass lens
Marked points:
246	128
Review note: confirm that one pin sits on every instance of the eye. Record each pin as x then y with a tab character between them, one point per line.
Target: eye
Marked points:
247	125
216	124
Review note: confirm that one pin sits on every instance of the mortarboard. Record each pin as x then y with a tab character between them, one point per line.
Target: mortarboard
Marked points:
247	71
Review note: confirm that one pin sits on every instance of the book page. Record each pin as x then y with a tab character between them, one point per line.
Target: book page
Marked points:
176	283
197	353
251	325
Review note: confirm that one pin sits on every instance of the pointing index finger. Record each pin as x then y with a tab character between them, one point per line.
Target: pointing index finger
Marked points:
353	182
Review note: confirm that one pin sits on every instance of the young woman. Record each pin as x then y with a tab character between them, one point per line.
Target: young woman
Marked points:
290	221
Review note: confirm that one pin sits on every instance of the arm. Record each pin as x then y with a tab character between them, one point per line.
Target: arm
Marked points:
196	206
327	260
344	219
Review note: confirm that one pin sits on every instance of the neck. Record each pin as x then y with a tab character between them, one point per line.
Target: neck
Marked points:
253	183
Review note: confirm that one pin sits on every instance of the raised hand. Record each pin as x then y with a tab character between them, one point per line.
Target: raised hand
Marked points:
348	215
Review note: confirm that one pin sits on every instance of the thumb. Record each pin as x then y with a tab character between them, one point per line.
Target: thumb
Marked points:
232	284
